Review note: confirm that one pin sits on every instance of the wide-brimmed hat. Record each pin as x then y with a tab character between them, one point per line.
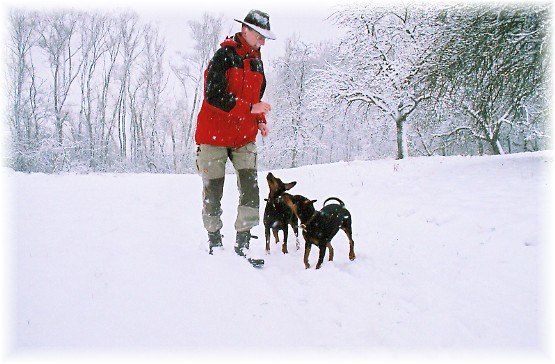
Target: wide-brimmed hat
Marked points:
259	21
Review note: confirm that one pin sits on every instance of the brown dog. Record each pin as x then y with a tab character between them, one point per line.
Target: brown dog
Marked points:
277	216
319	227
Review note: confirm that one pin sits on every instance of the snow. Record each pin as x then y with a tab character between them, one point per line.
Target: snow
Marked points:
261	19
448	265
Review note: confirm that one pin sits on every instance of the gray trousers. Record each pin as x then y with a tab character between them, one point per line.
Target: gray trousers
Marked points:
211	163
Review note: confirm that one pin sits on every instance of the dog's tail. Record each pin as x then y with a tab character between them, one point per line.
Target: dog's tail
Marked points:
335	199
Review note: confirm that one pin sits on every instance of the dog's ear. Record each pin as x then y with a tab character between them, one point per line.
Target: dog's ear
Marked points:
290	185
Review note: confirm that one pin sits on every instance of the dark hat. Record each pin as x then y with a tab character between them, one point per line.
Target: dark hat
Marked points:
259	21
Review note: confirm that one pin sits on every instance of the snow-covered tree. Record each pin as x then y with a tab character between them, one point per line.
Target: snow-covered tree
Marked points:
23	115
294	137
95	91
379	58
494	62
86	92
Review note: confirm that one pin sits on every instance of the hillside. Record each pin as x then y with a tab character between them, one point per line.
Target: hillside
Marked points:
449	263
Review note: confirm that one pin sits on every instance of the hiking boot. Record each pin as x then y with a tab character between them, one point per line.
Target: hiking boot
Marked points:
214	240
243	242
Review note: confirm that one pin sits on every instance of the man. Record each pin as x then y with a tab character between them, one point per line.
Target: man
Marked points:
231	115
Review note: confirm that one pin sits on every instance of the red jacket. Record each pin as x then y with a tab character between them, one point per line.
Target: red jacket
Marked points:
233	81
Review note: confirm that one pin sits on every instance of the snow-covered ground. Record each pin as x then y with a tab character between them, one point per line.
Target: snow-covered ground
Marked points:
449	264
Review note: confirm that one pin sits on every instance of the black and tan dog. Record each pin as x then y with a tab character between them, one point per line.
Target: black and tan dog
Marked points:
277	216
319	227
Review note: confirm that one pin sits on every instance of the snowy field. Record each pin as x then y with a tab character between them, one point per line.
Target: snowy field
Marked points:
449	266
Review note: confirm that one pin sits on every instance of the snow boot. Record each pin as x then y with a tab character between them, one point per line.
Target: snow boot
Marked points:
242	244
214	240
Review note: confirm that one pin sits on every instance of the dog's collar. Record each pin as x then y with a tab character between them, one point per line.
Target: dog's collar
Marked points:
275	200
305	226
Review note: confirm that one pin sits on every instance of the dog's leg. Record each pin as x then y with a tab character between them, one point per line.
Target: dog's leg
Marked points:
347	229
296	231
267	232
285	234
322	247
306	254
352	250
276	234
331	251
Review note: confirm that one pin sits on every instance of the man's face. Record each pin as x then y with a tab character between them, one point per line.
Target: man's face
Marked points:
255	39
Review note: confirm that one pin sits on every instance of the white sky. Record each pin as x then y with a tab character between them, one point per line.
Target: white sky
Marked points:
287	17
309	24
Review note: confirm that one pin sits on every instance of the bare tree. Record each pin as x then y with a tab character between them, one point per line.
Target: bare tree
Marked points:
94	33
206	35
148	128
130	49
57	40
106	119
21	75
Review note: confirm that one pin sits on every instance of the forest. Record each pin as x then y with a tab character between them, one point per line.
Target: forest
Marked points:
94	91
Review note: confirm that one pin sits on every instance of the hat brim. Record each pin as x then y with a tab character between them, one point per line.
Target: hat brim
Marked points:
263	32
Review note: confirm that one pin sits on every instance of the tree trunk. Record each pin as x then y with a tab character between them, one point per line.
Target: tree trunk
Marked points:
402	150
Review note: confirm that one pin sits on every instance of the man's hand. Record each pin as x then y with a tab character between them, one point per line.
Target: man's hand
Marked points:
261	108
263	127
